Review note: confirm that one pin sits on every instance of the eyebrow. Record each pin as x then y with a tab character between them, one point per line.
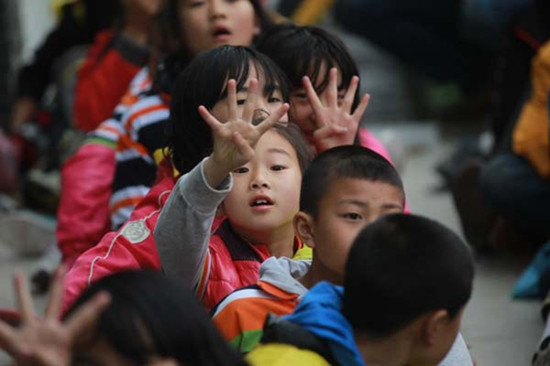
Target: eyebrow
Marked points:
280	151
353	202
266	89
365	204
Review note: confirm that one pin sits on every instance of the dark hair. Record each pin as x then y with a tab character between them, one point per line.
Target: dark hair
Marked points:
152	315
203	82
402	267
294	136
350	161
302	50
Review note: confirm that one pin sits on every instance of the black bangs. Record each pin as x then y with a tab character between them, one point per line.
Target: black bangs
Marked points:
302	51
269	74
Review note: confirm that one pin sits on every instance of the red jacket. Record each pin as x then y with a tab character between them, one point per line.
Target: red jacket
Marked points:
110	65
231	262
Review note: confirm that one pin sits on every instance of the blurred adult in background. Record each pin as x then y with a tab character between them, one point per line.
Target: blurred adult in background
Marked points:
79	22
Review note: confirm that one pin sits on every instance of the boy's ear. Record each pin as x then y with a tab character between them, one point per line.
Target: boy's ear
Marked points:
435	324
303	226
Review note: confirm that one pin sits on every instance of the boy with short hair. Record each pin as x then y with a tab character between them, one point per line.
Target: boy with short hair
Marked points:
407	281
343	189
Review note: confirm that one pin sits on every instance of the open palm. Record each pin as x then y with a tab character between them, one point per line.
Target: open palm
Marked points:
336	124
47	341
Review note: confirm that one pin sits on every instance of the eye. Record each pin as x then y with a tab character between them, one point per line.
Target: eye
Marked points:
278	167
352	216
241	101
241	170
299	94
274	100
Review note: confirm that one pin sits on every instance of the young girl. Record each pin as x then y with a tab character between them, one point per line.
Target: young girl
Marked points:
324	98
205	82
100	189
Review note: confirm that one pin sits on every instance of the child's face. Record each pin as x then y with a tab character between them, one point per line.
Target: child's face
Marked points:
348	206
301	111
210	23
265	104
266	191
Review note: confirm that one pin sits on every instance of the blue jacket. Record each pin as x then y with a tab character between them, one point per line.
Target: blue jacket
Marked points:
320	313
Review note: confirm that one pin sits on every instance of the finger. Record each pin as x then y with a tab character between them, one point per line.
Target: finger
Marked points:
347	103
332	88
313	99
8	338
245	148
232	99
361	108
86	316
272	119
53	309
209	118
24	299
251	100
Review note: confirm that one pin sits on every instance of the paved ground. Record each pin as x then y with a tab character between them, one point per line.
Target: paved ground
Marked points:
500	332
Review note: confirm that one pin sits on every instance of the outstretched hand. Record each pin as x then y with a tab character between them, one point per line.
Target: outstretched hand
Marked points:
234	140
336	124
47	341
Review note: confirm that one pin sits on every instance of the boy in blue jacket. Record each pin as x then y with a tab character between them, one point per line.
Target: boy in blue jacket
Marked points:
407	281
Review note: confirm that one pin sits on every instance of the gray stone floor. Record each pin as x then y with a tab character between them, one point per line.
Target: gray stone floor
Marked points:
499	331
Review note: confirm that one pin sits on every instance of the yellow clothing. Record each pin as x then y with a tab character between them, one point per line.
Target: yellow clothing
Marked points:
277	354
531	134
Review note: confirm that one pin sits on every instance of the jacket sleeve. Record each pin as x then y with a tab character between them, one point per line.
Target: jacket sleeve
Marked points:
109	67
131	247
184	227
83	213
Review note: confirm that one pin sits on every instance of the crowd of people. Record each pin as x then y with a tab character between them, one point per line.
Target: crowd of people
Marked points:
227	206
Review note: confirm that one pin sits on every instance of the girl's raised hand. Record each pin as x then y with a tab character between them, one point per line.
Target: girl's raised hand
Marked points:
47	341
336	125
234	140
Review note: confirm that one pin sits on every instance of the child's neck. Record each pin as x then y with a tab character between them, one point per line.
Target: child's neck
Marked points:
317	273
392	351
279	242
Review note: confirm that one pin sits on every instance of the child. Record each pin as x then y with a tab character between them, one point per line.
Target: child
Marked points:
324	98
129	318
204	82
407	281
343	189
114	59
97	198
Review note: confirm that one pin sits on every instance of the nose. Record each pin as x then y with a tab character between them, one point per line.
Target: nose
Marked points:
259	180
259	115
217	9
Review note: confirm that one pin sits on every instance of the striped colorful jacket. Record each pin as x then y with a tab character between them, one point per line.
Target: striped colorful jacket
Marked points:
138	152
241	315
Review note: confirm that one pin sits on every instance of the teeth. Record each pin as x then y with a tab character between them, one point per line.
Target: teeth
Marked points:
261	202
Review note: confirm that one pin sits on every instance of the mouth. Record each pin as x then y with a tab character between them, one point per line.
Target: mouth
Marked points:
221	33
261	201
